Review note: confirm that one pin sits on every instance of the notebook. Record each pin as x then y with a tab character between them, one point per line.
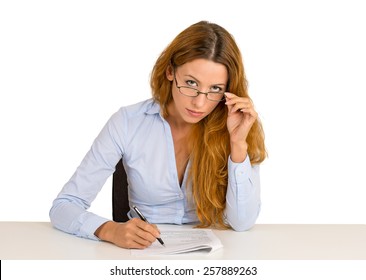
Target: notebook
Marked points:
181	241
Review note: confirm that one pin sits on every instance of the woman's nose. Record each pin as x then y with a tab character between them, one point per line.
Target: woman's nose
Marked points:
200	100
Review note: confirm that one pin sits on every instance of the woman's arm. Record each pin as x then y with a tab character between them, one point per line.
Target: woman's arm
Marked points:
69	210
243	195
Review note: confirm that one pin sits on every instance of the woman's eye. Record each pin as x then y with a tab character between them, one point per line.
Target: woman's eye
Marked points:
191	83
216	89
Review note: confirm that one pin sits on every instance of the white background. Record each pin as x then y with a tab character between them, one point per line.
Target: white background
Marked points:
66	66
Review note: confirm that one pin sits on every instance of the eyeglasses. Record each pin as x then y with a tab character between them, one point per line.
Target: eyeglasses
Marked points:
193	92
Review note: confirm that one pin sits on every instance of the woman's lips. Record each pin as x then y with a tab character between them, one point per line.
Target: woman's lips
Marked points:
194	113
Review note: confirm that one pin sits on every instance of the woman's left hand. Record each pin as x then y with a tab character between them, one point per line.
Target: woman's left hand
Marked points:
241	117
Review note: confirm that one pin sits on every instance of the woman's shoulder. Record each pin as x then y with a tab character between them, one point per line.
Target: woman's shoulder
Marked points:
131	117
148	106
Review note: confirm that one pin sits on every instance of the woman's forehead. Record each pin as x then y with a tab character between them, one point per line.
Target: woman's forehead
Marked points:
204	69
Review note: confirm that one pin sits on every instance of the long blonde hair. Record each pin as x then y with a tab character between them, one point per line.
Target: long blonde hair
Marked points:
210	147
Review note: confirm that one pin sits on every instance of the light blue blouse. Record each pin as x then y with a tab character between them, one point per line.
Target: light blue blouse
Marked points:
142	137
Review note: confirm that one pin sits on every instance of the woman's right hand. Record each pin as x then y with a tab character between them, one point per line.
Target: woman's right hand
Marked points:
134	234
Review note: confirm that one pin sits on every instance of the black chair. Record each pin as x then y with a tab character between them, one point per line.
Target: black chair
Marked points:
120	203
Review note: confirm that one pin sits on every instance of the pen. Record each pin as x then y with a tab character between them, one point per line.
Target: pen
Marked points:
144	219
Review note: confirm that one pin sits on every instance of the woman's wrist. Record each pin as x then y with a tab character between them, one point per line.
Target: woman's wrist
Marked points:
239	151
105	231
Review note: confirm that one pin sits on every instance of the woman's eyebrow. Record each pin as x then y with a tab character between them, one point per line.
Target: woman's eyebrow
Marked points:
194	78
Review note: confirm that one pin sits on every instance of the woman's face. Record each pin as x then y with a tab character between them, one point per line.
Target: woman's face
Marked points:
203	75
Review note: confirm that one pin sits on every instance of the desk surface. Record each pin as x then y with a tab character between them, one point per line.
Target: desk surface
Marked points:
39	240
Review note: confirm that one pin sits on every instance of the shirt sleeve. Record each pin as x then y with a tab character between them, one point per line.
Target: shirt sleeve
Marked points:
69	210
243	195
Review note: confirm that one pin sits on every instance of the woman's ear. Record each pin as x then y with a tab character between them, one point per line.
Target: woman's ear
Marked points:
170	73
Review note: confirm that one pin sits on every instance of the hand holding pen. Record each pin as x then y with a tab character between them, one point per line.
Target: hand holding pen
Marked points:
142	217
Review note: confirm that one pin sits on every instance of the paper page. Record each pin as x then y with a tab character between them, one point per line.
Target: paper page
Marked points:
178	241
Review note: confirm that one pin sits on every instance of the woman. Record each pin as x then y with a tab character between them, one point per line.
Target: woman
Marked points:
191	153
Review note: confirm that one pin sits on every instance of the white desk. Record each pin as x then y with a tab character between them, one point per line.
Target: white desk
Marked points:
39	240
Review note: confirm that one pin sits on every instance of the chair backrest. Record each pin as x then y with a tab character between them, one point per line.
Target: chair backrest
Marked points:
120	203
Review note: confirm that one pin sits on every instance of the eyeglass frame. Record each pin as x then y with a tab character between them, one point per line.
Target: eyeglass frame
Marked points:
198	92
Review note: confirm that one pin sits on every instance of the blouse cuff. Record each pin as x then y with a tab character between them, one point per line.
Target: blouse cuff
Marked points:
241	171
90	225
